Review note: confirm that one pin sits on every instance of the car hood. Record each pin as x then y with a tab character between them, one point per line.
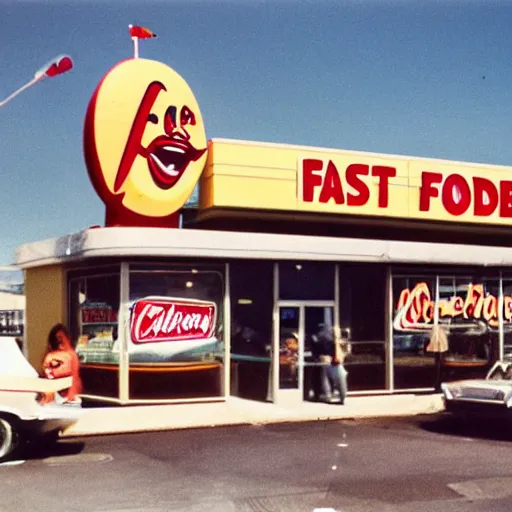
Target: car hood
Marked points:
482	383
17	374
479	389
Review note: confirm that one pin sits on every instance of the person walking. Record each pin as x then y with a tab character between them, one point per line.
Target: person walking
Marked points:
333	375
438	345
337	372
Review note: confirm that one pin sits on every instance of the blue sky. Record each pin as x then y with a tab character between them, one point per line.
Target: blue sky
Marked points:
429	78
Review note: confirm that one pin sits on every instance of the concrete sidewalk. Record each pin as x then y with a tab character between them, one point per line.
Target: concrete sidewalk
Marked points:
236	411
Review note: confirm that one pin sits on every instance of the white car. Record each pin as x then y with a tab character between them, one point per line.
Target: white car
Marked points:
22	416
489	397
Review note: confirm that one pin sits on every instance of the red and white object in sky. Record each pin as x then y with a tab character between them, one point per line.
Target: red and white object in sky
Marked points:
137	32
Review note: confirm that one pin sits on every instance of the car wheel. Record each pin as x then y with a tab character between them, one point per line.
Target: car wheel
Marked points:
8	437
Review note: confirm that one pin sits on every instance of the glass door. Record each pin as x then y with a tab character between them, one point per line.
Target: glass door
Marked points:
290	350
302	331
318	350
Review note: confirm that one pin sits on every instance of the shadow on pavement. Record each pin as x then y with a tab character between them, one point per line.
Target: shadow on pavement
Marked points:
43	450
98	404
478	427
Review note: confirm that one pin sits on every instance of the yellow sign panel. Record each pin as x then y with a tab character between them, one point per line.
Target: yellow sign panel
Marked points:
278	177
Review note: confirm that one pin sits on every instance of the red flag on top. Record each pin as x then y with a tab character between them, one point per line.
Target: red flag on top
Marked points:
56	66
141	32
59	65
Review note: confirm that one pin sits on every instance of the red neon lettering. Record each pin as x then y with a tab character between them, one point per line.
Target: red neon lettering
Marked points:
415	307
490	312
363	192
486	197
456	195
507	308
427	190
383	173
310	178
167	320
458	306
474	301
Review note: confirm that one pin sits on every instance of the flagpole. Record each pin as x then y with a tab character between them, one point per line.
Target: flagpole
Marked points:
135	45
21	89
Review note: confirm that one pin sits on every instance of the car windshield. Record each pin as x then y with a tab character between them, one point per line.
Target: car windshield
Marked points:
501	372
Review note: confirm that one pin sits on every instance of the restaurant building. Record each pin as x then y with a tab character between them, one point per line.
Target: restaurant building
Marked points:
288	244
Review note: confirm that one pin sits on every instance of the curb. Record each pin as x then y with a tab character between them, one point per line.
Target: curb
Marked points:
118	420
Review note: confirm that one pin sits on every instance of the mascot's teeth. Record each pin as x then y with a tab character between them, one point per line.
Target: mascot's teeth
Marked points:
174	149
167	170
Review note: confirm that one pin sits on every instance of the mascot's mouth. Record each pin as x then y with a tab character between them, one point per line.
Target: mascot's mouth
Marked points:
168	158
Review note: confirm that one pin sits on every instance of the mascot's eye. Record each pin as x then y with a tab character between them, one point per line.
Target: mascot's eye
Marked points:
187	116
153	118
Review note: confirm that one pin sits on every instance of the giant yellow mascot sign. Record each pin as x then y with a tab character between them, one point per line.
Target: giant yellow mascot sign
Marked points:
144	143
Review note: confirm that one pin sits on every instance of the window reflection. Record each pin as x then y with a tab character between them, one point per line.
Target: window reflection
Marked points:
174	367
363	324
466	310
289	347
507	319
306	281
252	299
413	319
93	319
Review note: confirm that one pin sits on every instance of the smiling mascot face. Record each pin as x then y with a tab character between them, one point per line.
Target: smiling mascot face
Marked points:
144	140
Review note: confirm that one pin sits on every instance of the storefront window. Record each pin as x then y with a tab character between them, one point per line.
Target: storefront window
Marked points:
306	281
363	324
251	286
93	317
175	341
413	319
467	310
507	319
